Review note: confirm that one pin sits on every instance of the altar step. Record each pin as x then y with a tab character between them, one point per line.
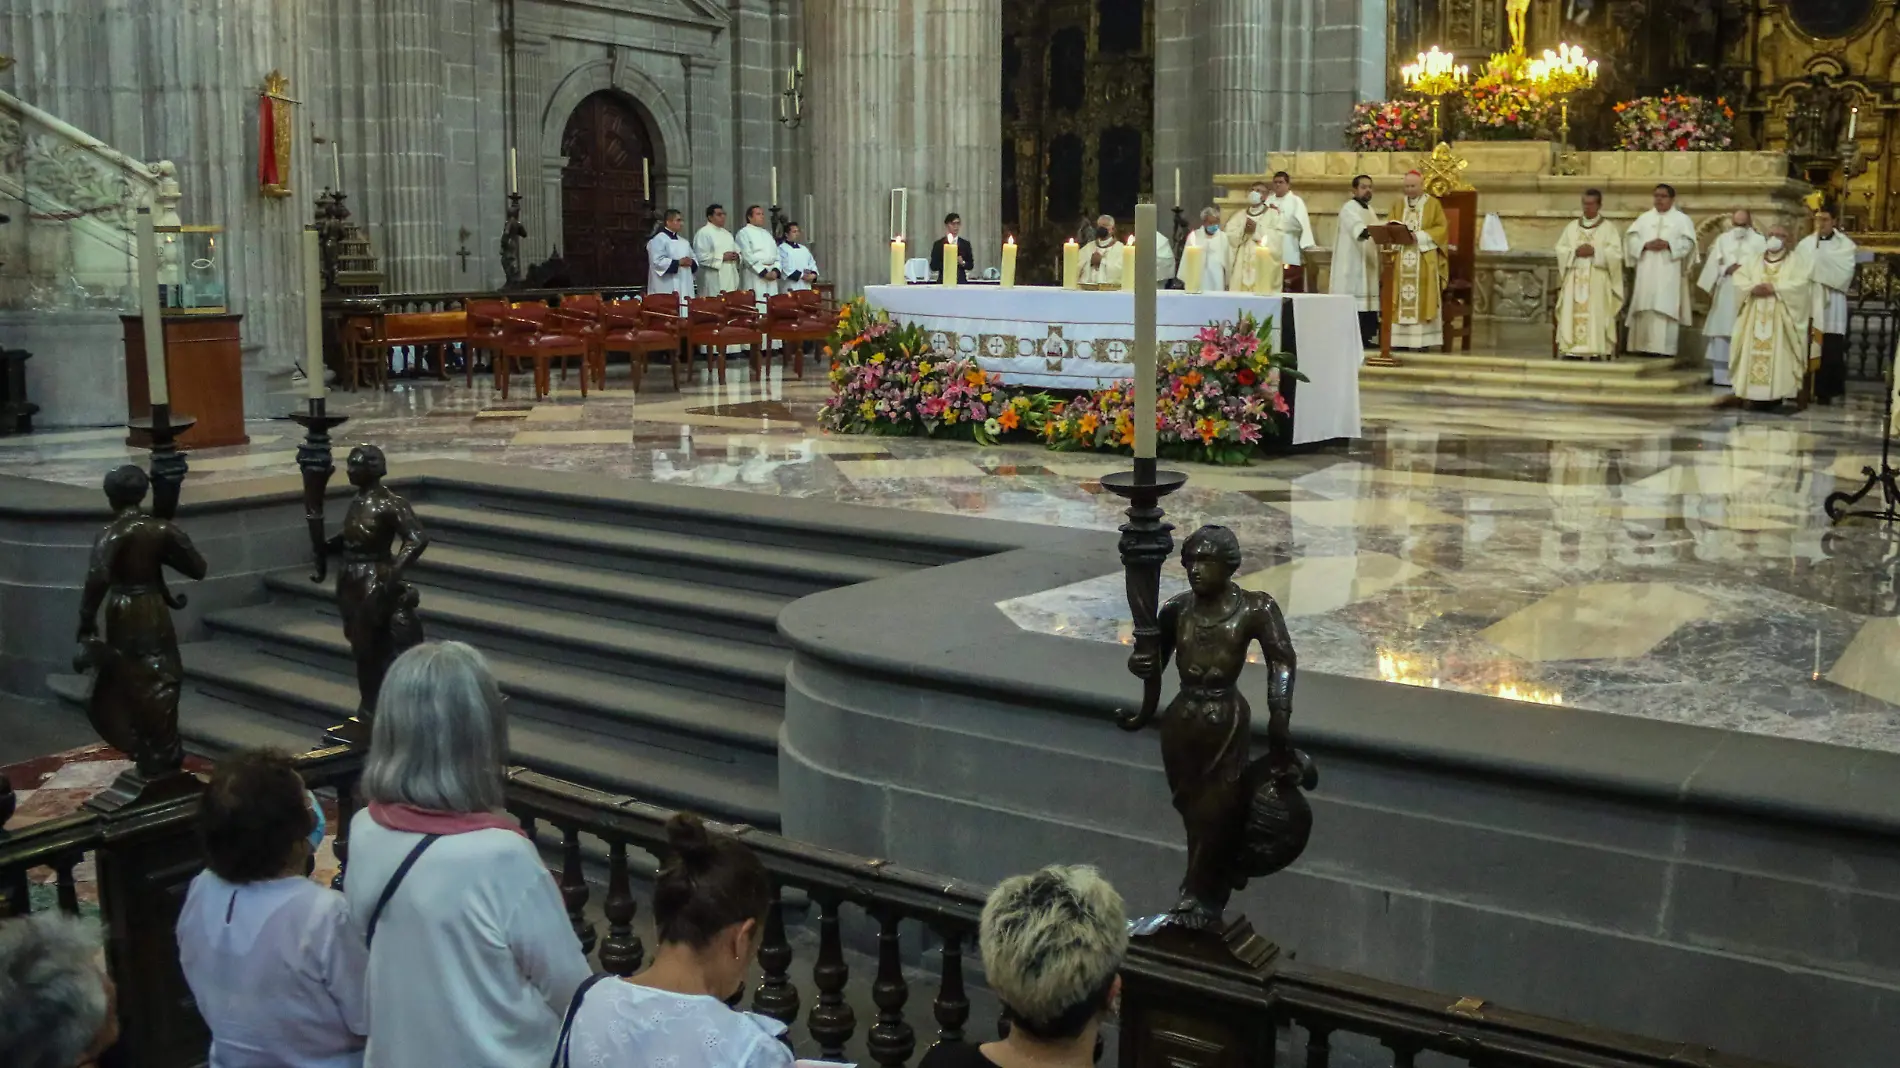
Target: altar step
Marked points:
1634	382
637	643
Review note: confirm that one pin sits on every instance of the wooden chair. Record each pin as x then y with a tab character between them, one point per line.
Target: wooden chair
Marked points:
484	333
639	332
529	336
580	314
713	322
1456	303
788	321
379	336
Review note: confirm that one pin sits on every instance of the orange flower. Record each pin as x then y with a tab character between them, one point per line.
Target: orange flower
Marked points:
1088	424
1192	378
1207	430
974	378
1009	420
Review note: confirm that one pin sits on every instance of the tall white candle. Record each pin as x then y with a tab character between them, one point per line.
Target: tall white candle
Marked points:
1008	271
775	185
312	315
157	385
1144	355
897	260
1177	187
1853	122
952	258
646	177
514	176
336	166
1128	269
806	227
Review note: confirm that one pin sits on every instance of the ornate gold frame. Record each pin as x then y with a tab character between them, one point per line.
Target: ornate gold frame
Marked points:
283	122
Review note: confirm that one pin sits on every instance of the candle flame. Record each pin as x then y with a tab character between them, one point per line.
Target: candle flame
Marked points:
1011	240
1131	240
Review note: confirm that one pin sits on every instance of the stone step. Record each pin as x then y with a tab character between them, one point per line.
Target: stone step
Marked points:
1541	377
1681	400
1627	367
680	556
747	670
674	602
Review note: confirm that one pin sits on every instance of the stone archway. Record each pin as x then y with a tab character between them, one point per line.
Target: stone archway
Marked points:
606	191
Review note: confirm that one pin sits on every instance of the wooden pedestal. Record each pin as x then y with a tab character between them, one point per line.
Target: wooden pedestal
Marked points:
1170	1025
204	371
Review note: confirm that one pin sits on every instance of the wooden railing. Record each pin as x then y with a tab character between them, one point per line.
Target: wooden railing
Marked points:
145	857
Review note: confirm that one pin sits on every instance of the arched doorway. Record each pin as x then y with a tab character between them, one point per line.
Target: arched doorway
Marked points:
606	215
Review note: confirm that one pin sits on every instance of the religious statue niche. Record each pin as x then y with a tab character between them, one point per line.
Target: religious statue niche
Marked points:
380	538
136	672
1245	816
1817	119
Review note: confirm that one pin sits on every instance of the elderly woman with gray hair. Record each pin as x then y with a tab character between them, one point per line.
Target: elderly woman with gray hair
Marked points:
472	960
57	1005
1053	944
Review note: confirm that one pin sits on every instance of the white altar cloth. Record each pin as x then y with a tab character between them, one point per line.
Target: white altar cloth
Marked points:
1044	337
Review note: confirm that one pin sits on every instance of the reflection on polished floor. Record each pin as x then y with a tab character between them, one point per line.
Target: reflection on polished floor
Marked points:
1673	565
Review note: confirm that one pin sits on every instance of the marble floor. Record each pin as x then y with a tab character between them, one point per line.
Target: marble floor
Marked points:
1675	566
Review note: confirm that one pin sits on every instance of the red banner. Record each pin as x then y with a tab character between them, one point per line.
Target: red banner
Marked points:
267	143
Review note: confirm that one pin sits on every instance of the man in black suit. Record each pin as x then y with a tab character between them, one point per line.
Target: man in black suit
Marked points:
966	260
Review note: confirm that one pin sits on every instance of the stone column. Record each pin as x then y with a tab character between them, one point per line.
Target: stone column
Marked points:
909	100
751	69
412	146
1238	35
1178	123
542	218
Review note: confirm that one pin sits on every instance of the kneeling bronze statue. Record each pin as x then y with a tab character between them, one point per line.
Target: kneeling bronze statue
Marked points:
1245	817
380	538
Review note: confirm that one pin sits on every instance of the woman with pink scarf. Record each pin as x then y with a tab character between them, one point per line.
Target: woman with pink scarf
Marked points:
472	960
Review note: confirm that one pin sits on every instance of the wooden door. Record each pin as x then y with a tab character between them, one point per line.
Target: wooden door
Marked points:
606	216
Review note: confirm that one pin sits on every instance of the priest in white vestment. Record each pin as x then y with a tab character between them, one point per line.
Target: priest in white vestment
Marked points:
717	253
670	260
1662	245
1590	283
758	251
1418	314
1295	227
1830	257
1356	258
798	267
1164	259
1245	229
1768	354
1739	242
1216	250
1101	266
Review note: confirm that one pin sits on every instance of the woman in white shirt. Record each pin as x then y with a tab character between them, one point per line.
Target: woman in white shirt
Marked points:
271	961
708	903
472	960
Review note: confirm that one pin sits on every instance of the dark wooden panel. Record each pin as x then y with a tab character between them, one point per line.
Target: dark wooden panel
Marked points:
204	365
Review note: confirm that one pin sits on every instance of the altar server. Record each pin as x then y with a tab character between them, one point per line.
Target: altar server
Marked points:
1289	211
1661	243
670	259
1216	251
953	235
759	253
1830	262
1769	356
1590	279
717	253
1418	319
1102	257
1245	229
1356	258
1739	242
1164	259
796	261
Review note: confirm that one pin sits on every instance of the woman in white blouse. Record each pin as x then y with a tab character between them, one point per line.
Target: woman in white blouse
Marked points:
708	903
269	955
472	960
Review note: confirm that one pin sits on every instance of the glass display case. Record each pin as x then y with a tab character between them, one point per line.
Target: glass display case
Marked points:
191	270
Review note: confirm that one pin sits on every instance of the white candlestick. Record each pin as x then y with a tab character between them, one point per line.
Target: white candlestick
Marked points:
1144	354
805	229
336	166
1177	187
1853	122
514	177
799	64
775	186
646	177
312	315
156	383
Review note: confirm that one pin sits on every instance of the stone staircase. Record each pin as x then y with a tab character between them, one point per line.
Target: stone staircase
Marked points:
1632	382
637	644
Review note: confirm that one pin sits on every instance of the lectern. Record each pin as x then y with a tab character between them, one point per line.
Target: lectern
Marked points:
1391	238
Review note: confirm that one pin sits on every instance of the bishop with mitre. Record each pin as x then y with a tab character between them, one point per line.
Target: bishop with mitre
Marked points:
1830	259
1768	354
1356	258
1418	320
1590	277
1661	243
1739	242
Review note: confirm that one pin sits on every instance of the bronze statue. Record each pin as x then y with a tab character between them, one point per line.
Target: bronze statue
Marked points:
1245	818
1816	121
378	607
137	670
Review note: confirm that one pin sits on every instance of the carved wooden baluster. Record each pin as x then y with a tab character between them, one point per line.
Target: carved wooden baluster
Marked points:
67	885
1319	1050
952	1007
345	809
892	1040
574	887
621	952
1404	1052
776	996
832	1022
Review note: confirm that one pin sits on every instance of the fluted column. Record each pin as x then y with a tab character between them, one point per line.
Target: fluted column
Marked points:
542	218
1239	83
413	146
883	116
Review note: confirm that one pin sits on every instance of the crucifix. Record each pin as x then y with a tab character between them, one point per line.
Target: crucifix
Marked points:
463	251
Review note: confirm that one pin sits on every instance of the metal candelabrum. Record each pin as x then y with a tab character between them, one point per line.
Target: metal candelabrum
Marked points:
168	467
315	461
511	234
1435	74
1146	544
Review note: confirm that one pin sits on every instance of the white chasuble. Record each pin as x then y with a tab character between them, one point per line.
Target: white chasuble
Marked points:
1660	300
1590	294
758	251
1418	320
1356	257
1244	229
1101	264
1768	353
716	275
1295	226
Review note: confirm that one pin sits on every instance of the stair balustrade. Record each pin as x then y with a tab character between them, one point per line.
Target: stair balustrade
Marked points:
146	854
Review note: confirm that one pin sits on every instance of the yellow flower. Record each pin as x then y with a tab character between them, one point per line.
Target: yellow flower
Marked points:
923	368
949	415
879	358
985	397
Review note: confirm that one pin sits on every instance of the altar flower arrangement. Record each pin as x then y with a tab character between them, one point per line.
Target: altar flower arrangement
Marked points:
1500	107
888	378
1674	122
1390	126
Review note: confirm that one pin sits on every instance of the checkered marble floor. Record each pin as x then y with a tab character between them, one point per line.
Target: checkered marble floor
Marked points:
1675	566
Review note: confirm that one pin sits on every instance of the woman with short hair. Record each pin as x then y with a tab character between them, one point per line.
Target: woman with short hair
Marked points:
708	904
1053	944
472	960
58	1007
269	955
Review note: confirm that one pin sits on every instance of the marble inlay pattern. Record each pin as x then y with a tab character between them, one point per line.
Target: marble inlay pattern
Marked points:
1668	565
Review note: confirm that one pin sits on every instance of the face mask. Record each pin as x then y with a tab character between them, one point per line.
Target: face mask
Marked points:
1255	198
1211	227
316	832
1774	244
1101	233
